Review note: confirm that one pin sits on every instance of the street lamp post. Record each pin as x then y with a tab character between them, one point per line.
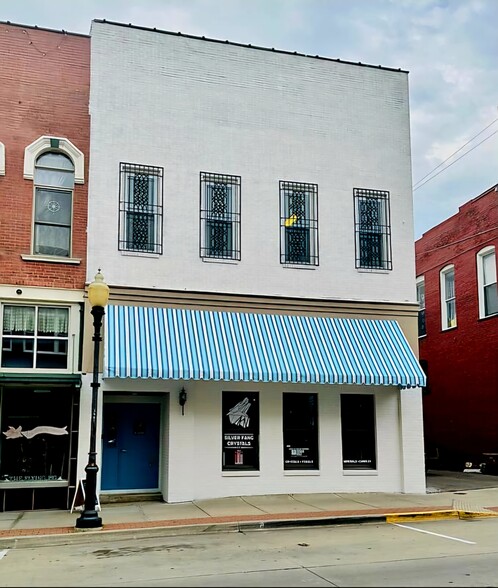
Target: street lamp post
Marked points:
98	295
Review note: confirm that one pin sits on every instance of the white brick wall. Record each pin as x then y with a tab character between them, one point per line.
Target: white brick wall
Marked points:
191	451
190	105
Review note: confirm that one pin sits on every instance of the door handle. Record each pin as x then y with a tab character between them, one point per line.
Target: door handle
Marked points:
124	450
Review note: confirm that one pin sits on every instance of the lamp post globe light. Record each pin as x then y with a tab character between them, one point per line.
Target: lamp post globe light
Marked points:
98	295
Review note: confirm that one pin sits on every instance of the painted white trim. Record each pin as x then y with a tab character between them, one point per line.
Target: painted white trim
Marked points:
420	281
53	259
2	159
40	294
42	144
489	250
444	299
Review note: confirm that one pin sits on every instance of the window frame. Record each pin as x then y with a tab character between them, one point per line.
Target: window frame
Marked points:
300	457
150	211
219	215
36	338
482	283
369	432
292	225
365	231
241	438
448	299
422	327
2	159
42	188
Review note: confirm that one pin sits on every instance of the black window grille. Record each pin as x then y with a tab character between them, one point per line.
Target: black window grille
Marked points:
220	216
298	223
140	208
372	229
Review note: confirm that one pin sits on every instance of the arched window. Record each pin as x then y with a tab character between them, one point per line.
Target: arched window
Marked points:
54	183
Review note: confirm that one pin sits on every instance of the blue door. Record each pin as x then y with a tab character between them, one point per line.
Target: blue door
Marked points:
130	446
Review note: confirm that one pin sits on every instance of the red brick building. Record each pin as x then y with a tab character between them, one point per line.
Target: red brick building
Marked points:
458	331
44	142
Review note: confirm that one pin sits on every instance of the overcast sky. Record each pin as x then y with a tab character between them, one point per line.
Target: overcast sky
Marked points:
450	48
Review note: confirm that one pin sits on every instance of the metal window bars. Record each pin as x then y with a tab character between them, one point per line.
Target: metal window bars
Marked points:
219	216
140	208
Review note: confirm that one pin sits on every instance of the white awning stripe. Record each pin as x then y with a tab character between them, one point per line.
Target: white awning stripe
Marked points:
172	343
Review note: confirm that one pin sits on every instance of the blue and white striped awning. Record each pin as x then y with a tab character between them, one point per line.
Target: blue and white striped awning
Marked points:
174	343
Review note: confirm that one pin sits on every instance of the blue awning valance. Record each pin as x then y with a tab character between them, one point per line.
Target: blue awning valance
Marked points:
174	343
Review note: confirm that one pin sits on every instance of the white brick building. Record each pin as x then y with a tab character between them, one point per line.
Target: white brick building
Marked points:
262	185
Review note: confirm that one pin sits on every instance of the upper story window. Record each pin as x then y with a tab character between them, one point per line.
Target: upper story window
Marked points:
2	159
34	337
54	183
220	216
298	223
448	301
421	306
372	229
486	278
140	208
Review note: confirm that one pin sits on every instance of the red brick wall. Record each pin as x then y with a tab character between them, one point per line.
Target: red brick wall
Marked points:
44	90
461	410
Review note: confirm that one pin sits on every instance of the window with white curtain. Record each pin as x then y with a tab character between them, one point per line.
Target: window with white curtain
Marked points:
54	183
34	337
448	300
486	277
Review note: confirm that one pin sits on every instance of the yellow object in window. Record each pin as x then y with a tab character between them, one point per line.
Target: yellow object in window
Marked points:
291	220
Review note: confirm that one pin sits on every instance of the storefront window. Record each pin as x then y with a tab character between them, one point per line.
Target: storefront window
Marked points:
35	439
240	430
300	428
358	432
35	337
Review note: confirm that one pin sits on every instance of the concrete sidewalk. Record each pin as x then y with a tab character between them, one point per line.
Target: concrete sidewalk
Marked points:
239	513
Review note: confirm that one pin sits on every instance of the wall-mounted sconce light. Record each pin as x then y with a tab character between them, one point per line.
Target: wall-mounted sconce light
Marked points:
182	399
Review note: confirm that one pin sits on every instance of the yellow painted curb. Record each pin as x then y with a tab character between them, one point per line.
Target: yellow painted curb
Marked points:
419	516
465	514
439	515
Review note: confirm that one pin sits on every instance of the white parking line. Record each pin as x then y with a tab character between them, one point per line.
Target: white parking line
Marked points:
436	534
3	552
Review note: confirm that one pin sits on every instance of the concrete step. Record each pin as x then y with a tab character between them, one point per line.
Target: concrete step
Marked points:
130	497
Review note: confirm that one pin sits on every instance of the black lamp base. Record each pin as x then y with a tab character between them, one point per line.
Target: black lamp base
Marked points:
89	520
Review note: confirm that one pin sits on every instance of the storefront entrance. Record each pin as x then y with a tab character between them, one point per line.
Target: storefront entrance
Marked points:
130	446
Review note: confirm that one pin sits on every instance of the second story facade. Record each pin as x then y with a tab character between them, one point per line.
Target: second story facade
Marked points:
218	167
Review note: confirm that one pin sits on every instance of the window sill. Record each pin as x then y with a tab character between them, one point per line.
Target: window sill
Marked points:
140	254
489	316
51	259
301	472
240	474
444	330
366	270
17	485
220	260
360	473
299	266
